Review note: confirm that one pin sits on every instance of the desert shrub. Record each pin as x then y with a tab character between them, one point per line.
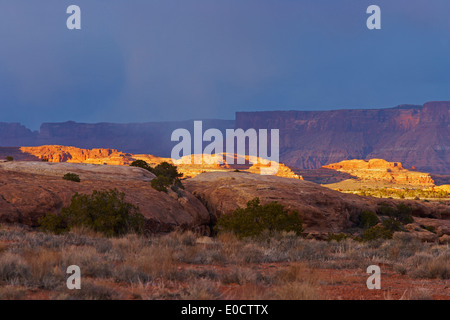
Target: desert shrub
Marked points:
337	236
91	291
13	268
392	224
12	292
368	219
167	170
203	289
432	267
428	228
239	275
129	274
142	164
385	210
71	177
255	218
377	232
167	175
102	211
404	214
54	223
9	158
161	183
401	213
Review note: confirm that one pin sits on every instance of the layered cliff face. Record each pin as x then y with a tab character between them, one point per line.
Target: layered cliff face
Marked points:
137	138
413	135
15	134
150	138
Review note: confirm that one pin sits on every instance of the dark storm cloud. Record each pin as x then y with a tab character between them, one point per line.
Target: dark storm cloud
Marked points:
146	60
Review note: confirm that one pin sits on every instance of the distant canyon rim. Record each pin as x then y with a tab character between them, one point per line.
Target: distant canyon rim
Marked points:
416	136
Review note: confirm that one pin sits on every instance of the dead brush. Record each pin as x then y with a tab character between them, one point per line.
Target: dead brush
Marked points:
45	267
297	282
156	261
14	269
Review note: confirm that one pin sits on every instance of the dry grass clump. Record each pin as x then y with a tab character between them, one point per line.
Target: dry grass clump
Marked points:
432	267
91	291
182	265
13	269
298	291
45	267
240	275
202	289
12	292
156	261
297	282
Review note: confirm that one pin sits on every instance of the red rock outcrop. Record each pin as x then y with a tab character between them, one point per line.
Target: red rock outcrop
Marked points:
382	170
77	155
29	190
210	163
185	165
323	210
412	135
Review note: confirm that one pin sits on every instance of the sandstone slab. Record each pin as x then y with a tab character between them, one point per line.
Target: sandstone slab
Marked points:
323	210
29	190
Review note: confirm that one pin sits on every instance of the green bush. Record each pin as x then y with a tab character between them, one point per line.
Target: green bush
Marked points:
337	237
54	223
161	183
404	214
102	211
166	175
253	220
401	213
428	228
377	232
142	164
9	158
368	219
167	170
392	224
71	177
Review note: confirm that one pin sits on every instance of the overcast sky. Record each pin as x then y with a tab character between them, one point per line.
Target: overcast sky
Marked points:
144	60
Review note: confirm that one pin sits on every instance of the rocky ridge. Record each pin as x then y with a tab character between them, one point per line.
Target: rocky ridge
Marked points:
382	170
29	190
185	165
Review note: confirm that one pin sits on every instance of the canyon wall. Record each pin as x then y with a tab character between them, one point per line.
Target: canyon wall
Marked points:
413	135
148	138
416	136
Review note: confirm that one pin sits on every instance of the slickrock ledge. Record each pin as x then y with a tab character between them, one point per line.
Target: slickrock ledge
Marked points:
29	190
323	210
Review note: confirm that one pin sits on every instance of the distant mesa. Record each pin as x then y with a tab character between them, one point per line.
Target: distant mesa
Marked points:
411	134
56	153
382	170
